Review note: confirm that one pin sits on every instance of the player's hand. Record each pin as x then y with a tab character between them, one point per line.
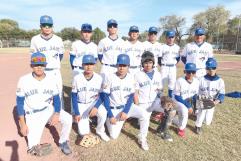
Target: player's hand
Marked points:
93	112
123	116
24	129
216	102
54	120
113	120
77	118
190	110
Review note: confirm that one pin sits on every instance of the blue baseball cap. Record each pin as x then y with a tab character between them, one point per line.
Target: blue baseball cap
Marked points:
170	33
153	29
190	67
211	63
88	59
199	31
112	21
46	20
134	29
86	27
38	58
123	59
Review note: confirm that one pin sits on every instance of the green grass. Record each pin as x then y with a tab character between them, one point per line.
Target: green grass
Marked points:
220	141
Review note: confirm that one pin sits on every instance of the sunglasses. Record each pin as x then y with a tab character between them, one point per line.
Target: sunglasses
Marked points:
191	72
212	68
112	25
170	37
46	25
38	65
38	60
152	33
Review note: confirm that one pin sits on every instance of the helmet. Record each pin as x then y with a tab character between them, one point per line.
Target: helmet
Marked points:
199	31
88	59
147	56
112	21
38	58
123	59
211	63
190	67
86	27
46	20
153	29
134	29
170	33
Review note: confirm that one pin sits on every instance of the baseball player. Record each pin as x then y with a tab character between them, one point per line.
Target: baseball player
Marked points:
211	87
134	49
118	93
185	92
168	58
38	103
152	45
85	93
197	52
81	47
147	95
109	48
52	47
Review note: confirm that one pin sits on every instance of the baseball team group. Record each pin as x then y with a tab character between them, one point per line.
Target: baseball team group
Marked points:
130	85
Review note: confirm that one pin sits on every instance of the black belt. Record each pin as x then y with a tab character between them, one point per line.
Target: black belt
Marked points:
110	65
49	69
117	107
79	67
35	111
169	65
134	67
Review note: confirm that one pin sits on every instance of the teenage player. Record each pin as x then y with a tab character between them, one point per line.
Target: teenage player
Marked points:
168	58
81	47
109	48
52	47
134	49
38	103
85	93
197	52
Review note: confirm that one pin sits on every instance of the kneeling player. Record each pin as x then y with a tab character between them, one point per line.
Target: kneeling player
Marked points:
38	103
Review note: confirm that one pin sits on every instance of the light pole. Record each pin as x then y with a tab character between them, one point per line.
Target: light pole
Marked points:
237	35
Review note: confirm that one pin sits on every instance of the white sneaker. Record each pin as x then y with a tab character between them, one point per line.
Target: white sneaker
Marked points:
143	144
104	137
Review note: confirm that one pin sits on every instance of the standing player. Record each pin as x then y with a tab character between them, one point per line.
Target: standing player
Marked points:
52	47
85	93
81	47
148	93
109	48
134	48
197	52
38	103
152	45
118	92
211	87
168	58
185	92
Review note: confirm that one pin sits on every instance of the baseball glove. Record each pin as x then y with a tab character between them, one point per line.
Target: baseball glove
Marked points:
41	150
89	140
206	103
167	103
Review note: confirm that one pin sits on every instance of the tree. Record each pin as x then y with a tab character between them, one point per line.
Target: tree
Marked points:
12	23
69	33
214	20
143	36
174	22
233	24
97	35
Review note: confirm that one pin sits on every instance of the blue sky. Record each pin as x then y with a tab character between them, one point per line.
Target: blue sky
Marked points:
72	13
